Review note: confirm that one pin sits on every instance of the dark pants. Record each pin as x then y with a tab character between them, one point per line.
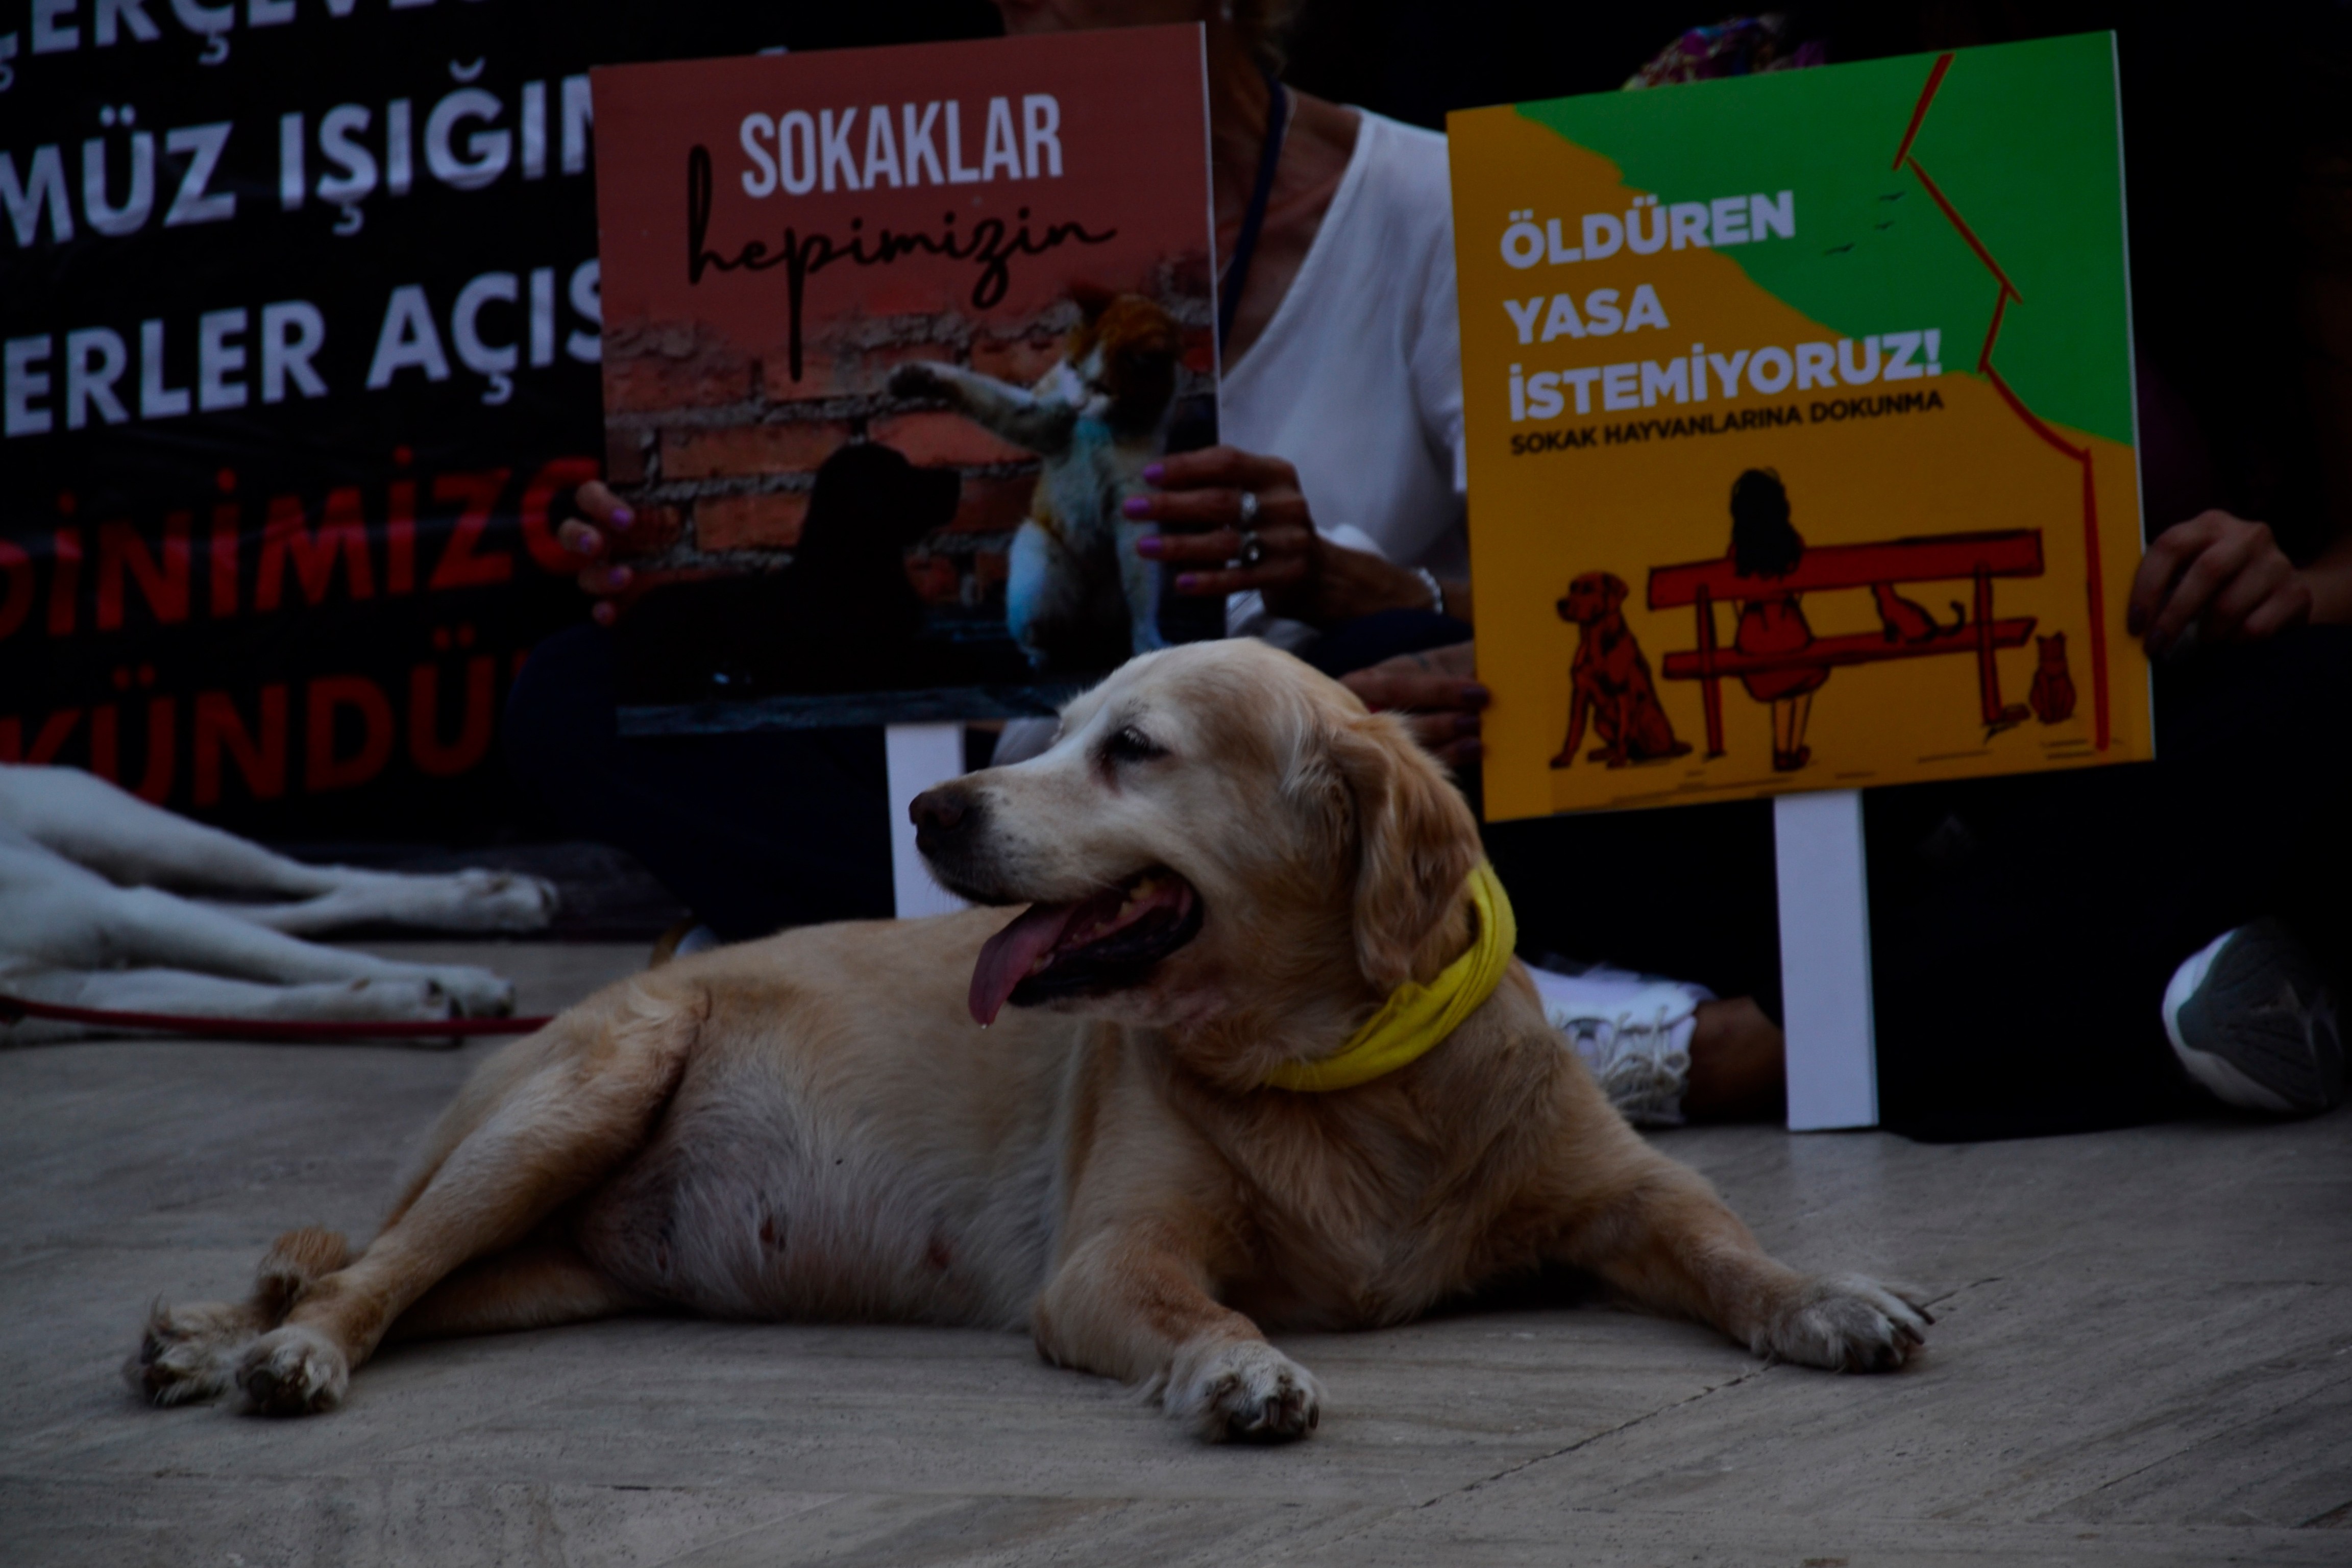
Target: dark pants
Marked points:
2024	929
752	832
2021	929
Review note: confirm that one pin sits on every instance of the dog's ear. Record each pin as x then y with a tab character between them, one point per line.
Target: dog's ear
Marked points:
1614	589
1415	843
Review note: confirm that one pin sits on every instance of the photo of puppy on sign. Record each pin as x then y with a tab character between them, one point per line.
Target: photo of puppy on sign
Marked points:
1078	596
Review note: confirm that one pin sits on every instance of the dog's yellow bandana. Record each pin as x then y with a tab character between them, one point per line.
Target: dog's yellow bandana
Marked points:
1417	1017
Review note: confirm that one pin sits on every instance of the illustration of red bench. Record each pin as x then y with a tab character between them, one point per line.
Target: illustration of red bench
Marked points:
1979	557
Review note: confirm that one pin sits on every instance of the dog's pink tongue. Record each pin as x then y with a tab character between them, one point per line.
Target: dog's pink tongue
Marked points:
1008	956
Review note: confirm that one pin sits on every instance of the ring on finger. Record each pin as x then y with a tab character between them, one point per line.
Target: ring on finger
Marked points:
1252	548
1248	510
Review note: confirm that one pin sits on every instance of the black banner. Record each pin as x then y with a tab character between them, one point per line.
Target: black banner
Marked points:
299	309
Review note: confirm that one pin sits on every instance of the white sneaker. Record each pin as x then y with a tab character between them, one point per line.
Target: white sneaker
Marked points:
684	940
2253	1023
1633	1032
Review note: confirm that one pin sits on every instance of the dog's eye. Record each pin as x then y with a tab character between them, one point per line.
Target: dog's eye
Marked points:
1130	745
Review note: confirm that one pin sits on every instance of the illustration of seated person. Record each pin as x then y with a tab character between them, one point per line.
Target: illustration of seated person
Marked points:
1774	652
1766	545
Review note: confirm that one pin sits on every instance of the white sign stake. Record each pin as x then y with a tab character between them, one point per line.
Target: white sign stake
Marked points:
917	756
1832	1060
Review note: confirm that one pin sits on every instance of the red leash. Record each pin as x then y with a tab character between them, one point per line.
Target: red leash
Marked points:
14	1009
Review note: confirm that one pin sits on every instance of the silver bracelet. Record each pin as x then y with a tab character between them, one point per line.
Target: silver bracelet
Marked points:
1436	589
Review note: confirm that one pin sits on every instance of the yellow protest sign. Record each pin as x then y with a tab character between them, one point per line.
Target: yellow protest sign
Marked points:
1801	430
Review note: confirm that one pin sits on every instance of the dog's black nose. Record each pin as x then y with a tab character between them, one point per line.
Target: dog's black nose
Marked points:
942	815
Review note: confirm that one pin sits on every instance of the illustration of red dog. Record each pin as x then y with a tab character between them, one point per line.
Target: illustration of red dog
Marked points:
1610	681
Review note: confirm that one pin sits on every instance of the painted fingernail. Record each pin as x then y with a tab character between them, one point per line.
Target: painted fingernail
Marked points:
1136	506
582	543
1151	472
602	615
1187	582
1476	696
622	517
1148	547
620	577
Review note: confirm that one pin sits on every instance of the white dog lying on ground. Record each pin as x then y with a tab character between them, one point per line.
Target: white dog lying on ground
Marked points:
84	922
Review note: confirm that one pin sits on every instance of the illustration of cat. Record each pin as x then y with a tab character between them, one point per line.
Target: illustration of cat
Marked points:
2054	689
1907	622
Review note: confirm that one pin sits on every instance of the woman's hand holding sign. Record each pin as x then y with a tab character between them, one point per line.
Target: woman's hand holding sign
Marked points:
591	532
1438	694
1233	520
2225	577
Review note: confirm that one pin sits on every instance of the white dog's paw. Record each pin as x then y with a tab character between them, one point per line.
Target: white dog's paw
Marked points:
293	1371
476	992
183	1352
1244	1389
369	1000
507	900
1848	1324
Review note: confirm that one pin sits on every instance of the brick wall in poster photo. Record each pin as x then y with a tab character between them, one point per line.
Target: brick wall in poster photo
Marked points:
786	242
300	303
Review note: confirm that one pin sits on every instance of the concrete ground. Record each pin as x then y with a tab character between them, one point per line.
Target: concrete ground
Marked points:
2144	1354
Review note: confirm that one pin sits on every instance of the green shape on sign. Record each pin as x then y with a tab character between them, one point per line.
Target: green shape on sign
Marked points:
2022	140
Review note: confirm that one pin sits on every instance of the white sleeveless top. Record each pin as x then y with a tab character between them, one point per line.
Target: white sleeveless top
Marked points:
1357	381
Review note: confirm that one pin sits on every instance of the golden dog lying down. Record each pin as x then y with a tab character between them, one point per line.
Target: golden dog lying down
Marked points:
1229	866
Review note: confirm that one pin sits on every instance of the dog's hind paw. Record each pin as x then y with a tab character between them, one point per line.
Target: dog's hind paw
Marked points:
1243	1390
506	900
1848	1324
293	1371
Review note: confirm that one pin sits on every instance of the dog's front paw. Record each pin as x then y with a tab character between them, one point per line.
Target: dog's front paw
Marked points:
1848	1324
1244	1389
371	999
293	1371
476	992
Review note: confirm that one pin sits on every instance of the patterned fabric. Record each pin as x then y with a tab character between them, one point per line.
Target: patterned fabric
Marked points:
1740	47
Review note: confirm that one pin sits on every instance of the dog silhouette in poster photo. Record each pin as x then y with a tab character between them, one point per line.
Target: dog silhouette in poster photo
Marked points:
842	617
1078	596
